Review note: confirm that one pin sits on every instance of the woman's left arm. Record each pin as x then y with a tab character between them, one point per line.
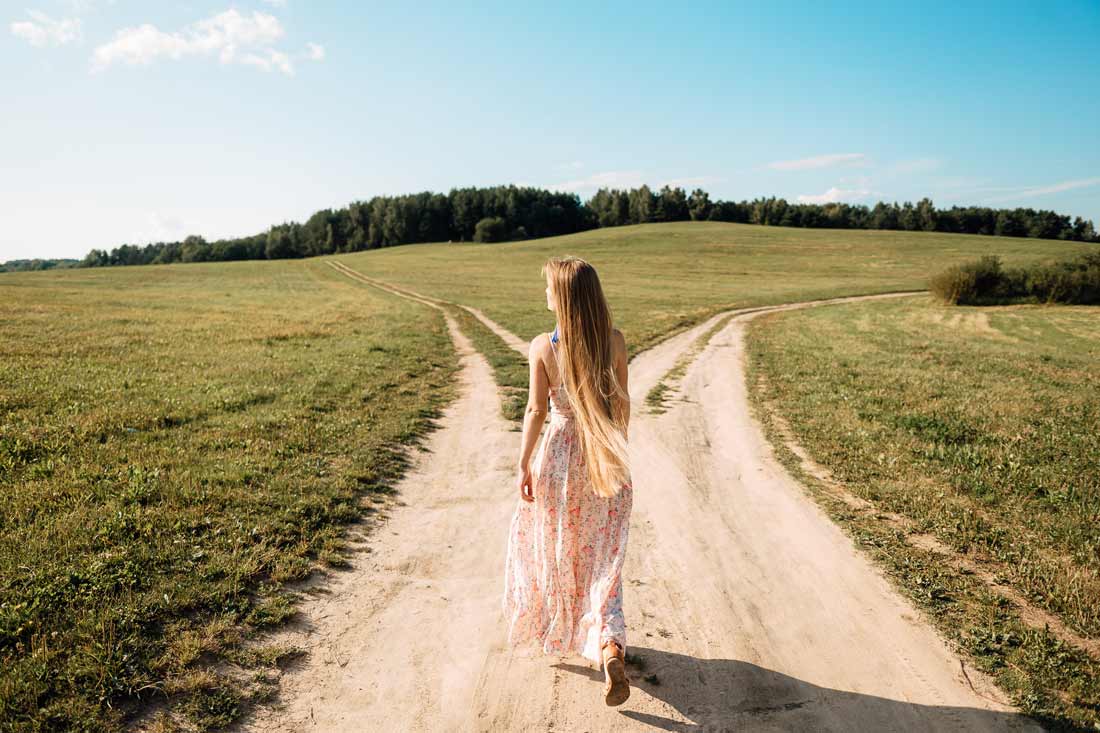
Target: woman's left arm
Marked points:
537	396
622	377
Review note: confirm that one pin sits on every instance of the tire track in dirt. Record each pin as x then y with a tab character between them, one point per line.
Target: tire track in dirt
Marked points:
746	606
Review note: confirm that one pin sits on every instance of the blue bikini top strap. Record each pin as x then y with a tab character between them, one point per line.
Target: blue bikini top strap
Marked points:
554	340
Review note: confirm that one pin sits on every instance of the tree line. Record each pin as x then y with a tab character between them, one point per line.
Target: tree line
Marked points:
37	264
508	213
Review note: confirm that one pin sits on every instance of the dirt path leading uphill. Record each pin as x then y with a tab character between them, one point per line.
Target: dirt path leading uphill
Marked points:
513	341
749	608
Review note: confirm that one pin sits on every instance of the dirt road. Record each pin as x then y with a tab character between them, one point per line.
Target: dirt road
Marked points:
749	609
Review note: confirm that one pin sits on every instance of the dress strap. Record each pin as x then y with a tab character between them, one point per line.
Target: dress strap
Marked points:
554	340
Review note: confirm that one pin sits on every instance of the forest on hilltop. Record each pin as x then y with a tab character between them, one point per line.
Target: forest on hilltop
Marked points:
508	213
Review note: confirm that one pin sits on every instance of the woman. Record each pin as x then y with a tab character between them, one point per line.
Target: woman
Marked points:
567	539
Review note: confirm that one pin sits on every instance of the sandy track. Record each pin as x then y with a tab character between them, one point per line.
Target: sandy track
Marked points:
749	609
507	336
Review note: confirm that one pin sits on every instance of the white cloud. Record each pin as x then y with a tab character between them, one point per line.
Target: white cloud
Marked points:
231	36
276	3
42	30
269	59
820	161
572	165
834	195
609	179
140	45
1032	191
315	52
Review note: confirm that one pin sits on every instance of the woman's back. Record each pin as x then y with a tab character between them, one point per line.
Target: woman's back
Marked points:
559	395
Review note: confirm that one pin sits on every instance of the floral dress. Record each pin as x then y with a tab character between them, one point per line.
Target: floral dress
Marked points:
563	572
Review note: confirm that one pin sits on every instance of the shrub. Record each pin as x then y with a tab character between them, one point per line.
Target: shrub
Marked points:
950	284
984	282
491	229
1066	282
966	284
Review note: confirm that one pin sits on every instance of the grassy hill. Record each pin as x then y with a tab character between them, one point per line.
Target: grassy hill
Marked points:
661	278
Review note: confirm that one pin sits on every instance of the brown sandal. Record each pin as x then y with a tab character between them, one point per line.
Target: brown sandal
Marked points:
617	687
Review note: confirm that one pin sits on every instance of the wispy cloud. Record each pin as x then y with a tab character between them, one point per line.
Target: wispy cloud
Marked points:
834	195
819	161
608	179
572	165
42	30
269	59
276	3
1026	192
231	36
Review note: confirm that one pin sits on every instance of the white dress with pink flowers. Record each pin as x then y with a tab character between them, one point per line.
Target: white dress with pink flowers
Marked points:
563	572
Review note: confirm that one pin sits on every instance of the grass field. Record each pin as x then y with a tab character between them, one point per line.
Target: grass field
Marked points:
663	278
978	427
175	443
178	441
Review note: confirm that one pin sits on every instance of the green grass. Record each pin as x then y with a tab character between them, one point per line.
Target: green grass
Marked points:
979	427
664	278
175	444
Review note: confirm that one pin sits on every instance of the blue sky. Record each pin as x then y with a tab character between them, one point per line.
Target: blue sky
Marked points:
131	121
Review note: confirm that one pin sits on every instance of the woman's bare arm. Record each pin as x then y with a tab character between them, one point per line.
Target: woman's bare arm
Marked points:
537	395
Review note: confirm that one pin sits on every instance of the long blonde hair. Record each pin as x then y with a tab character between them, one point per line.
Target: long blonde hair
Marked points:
585	360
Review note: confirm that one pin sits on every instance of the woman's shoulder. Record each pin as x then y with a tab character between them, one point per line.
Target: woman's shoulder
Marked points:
539	346
620	339
618	346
